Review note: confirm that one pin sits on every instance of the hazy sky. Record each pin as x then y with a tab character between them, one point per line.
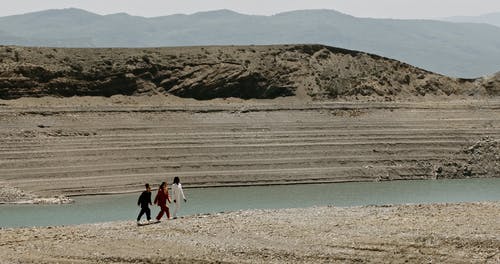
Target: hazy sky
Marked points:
362	8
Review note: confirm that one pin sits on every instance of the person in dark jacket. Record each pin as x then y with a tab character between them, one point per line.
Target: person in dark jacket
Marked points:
161	200
144	201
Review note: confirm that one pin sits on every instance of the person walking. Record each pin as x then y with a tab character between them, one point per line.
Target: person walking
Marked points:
177	194
161	200
144	202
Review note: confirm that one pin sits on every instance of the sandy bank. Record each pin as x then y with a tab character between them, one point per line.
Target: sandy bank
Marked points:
80	146
437	233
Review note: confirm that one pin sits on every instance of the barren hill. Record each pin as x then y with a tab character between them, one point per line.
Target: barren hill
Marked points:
246	72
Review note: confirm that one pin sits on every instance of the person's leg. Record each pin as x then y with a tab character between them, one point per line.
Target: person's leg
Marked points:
148	213
167	210
160	214
176	208
140	214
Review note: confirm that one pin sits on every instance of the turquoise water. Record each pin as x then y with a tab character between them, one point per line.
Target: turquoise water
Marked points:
92	209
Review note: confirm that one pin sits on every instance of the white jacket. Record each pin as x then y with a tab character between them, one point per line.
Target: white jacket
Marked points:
177	192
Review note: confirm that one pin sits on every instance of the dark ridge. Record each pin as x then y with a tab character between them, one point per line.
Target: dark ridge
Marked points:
203	73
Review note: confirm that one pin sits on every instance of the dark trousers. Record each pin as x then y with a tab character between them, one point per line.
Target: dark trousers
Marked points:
164	209
144	210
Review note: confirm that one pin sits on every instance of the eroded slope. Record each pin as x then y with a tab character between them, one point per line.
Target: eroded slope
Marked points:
220	72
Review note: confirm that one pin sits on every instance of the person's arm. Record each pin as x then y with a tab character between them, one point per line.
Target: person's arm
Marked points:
168	196
174	192
156	198
139	200
182	193
149	196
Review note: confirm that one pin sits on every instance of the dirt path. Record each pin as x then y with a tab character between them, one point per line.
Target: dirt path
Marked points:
438	233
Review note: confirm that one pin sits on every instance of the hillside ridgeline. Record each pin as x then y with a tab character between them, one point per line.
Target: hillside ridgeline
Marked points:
463	50
247	72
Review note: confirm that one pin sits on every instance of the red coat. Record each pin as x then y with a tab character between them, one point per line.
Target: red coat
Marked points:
162	197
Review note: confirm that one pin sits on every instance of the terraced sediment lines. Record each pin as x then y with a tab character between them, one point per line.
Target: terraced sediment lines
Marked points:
75	150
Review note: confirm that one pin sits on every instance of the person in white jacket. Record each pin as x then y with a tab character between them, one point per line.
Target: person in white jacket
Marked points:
177	194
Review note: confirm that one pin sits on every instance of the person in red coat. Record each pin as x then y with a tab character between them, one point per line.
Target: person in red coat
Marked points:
161	200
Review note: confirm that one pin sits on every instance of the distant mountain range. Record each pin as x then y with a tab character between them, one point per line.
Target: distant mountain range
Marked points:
491	18
454	49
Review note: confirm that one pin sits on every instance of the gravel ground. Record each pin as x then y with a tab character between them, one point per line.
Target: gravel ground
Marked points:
435	233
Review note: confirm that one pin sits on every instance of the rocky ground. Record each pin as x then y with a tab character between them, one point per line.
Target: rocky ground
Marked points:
11	195
437	233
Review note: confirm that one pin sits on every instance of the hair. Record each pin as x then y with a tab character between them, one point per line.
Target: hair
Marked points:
177	180
147	185
162	185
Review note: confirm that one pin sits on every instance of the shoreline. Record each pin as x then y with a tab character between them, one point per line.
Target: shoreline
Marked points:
122	207
440	232
70	198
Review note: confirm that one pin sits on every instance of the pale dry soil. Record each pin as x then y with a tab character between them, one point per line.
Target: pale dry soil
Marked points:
94	145
436	233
